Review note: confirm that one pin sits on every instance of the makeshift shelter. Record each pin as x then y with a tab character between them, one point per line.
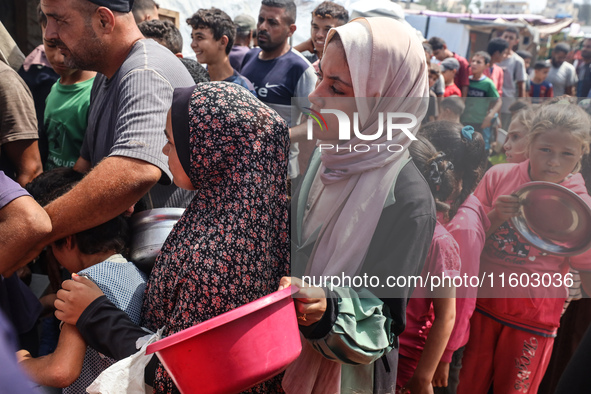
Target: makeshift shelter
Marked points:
469	33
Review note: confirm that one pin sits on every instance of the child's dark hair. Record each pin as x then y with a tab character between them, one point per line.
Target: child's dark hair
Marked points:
517	106
328	9
163	32
464	150
52	184
217	21
497	45
112	235
437	43
541	65
454	103
437	170
197	71
524	54
483	55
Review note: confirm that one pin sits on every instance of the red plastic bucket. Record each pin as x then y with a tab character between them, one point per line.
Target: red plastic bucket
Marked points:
235	350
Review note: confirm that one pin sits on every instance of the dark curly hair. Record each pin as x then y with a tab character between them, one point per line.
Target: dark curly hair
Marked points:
467	155
437	170
328	9
163	32
217	21
112	235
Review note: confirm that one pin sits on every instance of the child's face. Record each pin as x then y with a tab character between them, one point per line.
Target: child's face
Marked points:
68	255
449	75
428	57
553	155
319	30
207	49
179	176
432	79
478	65
527	63
56	59
498	57
541	73
516	143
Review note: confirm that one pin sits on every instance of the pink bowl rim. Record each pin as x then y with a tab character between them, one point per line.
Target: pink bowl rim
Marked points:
219	320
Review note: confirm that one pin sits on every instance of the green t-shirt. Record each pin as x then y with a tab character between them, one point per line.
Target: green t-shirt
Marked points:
65	120
481	94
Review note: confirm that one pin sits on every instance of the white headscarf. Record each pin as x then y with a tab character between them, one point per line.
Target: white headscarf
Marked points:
385	59
392	79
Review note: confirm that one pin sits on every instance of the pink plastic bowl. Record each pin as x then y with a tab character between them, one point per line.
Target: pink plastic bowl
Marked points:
235	350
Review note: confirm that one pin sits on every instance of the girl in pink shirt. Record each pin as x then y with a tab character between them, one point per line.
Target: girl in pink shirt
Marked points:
430	315
511	338
467	222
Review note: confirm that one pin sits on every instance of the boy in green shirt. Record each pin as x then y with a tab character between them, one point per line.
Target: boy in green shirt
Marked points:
483	101
66	109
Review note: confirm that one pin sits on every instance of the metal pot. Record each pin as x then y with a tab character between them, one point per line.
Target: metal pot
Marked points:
149	230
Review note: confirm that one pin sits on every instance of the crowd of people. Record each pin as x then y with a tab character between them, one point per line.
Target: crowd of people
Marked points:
106	118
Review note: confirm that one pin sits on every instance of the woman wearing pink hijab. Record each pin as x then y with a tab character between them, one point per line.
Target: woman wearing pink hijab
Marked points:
363	210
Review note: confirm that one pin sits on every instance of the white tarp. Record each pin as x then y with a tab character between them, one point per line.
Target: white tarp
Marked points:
456	35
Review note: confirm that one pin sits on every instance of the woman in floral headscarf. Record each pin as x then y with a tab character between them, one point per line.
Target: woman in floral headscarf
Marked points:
360	211
231	246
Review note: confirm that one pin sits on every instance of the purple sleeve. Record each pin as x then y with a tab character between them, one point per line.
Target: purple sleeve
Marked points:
9	190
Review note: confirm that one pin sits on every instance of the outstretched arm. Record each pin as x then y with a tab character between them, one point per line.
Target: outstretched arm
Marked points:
60	368
22	224
114	185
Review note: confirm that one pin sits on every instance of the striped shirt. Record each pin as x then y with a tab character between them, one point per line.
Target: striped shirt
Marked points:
127	114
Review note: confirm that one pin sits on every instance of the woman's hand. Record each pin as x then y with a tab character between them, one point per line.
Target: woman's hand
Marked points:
441	375
74	297
310	301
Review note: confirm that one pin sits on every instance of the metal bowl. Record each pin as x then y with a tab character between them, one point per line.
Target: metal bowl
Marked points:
149	230
553	218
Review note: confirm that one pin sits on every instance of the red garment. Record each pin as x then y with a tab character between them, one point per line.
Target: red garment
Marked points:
468	228
443	258
497	75
452	90
506	252
542	89
513	360
462	75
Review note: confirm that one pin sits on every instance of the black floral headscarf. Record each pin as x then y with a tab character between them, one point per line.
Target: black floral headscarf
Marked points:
231	246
